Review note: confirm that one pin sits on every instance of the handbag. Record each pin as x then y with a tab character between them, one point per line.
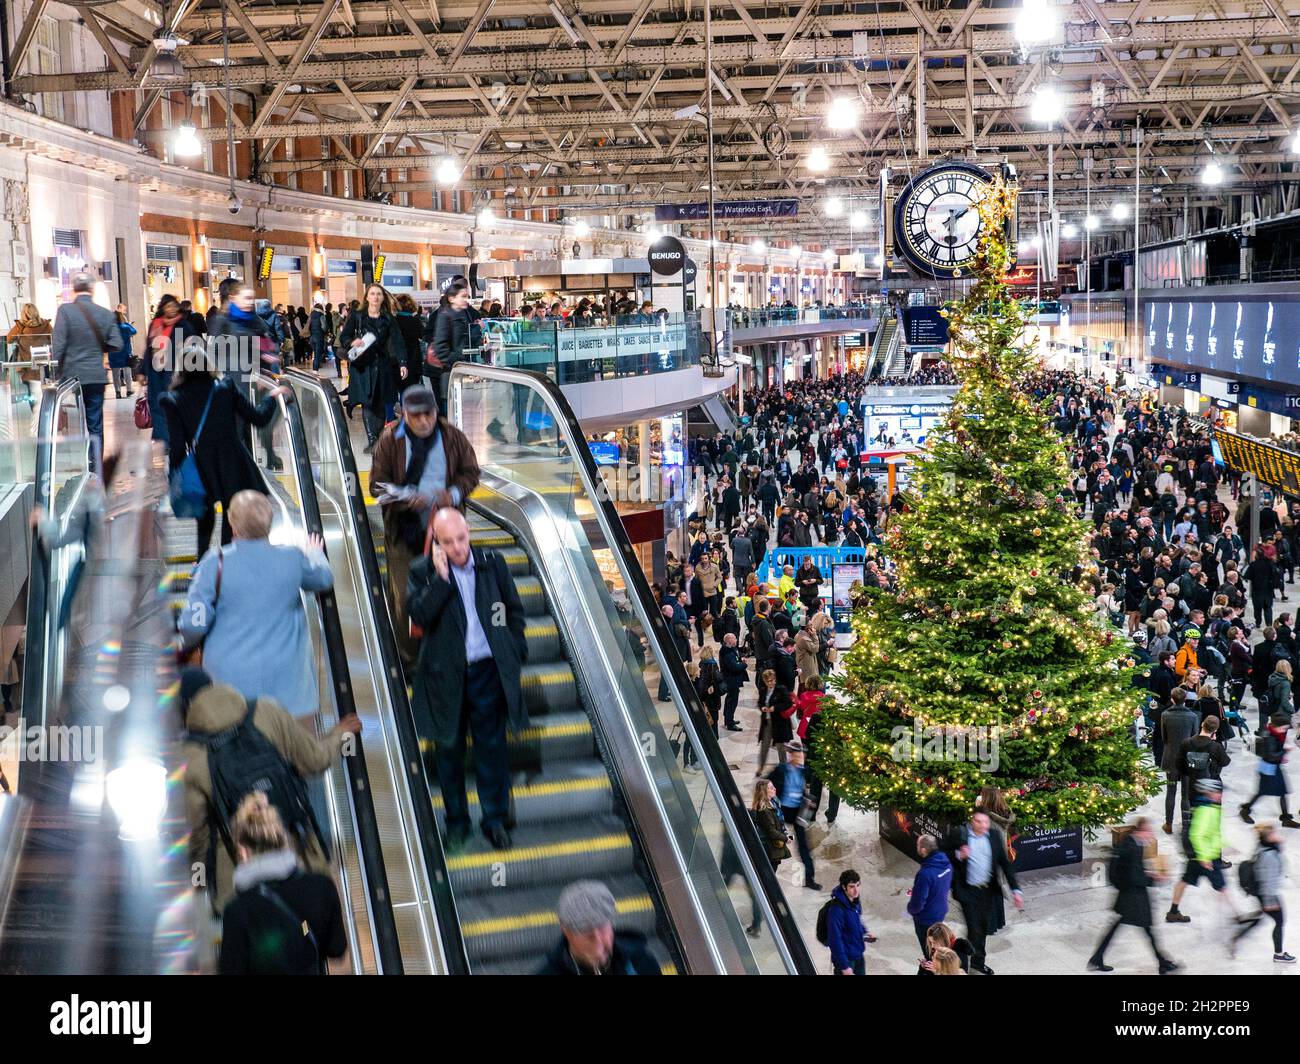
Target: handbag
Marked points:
142	415
189	498
193	656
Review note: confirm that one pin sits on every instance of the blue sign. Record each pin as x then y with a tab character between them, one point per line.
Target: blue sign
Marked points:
736	209
342	266
604	453
924	327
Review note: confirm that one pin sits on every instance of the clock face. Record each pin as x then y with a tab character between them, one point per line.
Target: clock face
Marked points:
937	221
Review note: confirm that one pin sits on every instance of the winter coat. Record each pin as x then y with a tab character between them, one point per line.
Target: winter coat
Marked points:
930	888
372	374
844	931
225	466
630	956
806	646
218	708
772	831
1130	879
1279	694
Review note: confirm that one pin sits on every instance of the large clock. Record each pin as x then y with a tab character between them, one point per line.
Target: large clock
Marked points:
937	220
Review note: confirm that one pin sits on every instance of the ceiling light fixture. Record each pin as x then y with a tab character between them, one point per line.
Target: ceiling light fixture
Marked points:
1120	211
843	113
448	171
834	207
1212	174
185	141
1045	107
817	160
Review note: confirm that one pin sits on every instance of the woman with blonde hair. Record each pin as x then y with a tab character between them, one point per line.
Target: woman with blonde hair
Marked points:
764	812
1279	688
942	937
282	920
30	330
946	962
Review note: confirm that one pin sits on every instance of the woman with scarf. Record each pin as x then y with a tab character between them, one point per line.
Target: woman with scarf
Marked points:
167	334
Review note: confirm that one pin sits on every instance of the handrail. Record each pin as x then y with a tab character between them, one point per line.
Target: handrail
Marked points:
38	583
750	851
372	867
444	904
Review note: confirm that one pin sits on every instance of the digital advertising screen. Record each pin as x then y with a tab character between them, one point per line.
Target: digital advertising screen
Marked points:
1253	336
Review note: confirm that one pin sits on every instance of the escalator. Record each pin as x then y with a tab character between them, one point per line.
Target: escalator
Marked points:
597	787
882	348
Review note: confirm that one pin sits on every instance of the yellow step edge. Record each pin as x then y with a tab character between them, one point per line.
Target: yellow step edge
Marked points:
541	790
539	853
555	731
639	903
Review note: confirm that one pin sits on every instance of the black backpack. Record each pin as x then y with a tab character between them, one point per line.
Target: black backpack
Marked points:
1197	763
242	760
824	922
1247	876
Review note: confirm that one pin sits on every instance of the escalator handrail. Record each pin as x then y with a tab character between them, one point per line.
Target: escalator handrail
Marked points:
455	955
382	920
750	850
38	583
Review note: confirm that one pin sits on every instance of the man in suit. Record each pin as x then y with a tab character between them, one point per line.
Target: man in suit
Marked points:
84	333
697	602
736	675
978	853
467	678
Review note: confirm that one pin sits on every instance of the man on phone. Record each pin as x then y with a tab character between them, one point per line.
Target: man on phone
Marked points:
467	679
421	462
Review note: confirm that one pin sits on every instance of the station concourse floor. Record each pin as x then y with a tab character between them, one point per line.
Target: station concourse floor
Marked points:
1066	910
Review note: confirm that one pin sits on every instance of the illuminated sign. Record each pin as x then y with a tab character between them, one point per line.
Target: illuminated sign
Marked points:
264	262
1272	465
379	268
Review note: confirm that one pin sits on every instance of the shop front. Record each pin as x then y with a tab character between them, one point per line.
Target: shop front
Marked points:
287	283
166	272
400	277
343	281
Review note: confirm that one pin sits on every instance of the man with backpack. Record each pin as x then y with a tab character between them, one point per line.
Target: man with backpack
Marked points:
1128	875
234	746
1205	846
1178	724
1262	877
839	926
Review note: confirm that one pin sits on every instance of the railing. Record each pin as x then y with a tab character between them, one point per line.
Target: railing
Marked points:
822	557
632	347
762	317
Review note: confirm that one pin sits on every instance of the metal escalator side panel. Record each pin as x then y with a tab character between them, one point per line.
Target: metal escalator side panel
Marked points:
430	916
382	950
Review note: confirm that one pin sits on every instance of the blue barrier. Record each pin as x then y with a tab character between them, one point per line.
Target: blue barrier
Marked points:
823	558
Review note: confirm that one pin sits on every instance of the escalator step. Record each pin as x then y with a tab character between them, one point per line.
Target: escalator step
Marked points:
543	638
553	738
491	537
548	853
522	925
548	686
565	792
516	559
530	594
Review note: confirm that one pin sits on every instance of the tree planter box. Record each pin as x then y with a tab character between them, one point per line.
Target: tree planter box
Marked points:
1030	850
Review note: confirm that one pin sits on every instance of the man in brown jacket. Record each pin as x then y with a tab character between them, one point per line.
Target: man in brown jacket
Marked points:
421	464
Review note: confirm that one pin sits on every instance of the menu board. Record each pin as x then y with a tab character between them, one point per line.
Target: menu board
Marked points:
1272	465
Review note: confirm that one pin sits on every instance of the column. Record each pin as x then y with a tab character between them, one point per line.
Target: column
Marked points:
648	492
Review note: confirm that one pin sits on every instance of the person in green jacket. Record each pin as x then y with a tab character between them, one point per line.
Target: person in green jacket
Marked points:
1205	838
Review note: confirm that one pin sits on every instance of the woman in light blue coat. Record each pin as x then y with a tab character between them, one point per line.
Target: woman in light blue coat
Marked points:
245	605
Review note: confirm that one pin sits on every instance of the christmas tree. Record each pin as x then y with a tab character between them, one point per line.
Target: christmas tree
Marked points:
986	666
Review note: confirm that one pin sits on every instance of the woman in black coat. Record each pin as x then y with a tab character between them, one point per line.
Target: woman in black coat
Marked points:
225	464
410	365
372	373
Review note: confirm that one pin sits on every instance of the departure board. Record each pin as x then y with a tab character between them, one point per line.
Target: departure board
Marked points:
1272	465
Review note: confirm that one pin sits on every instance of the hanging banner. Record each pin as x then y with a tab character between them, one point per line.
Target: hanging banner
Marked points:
694	212
575	344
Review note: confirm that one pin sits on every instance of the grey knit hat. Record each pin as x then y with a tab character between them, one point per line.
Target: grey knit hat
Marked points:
585	906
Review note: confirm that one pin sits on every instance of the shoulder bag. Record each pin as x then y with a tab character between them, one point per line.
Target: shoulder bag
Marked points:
189	498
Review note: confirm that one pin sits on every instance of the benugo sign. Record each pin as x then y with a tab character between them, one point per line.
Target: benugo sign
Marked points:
576	344
667	256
